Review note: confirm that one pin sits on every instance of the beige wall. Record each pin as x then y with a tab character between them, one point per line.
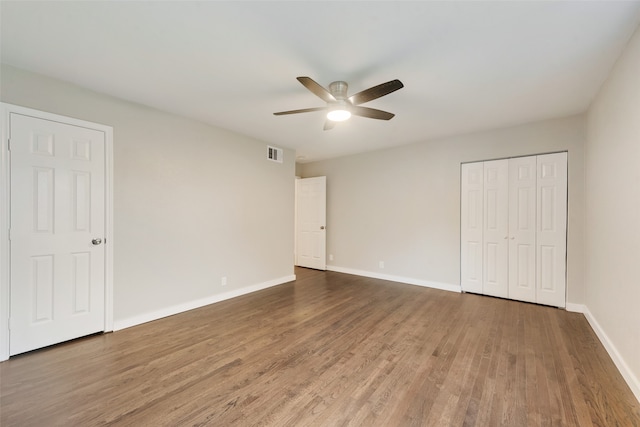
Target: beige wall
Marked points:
612	170
192	202
402	205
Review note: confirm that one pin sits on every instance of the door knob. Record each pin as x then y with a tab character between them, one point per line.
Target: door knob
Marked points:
322	227
96	241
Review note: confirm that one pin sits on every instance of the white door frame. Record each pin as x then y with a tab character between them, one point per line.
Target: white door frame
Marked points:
5	210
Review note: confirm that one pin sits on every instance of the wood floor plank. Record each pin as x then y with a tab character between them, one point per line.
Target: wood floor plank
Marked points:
329	349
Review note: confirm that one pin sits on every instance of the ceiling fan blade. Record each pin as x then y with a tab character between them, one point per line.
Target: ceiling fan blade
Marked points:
371	113
304	110
316	89
375	92
328	124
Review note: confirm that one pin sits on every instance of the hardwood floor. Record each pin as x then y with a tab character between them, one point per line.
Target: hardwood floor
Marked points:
329	349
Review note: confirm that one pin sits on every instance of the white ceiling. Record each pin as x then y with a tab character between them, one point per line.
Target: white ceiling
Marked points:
466	66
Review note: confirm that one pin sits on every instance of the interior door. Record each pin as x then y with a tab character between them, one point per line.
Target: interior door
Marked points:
471	224
311	207
496	228
552	229
57	279
522	228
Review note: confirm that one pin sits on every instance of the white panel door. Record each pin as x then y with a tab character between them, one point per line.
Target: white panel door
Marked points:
311	202
57	209
522	228
496	228
551	229
471	188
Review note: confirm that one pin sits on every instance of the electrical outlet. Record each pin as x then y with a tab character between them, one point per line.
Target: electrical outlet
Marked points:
330	257
223	281
381	264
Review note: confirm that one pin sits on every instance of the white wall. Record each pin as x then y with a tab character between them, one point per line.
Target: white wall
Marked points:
192	202
402	205
612	171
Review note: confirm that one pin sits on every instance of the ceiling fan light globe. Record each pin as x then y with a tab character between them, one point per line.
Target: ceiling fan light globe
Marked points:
338	115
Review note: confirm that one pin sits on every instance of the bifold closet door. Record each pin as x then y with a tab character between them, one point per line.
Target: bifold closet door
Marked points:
471	225
514	227
496	228
522	228
551	229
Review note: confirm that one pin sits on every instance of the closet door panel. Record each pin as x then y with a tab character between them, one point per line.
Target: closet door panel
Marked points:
551	246
522	228
496	228
471	224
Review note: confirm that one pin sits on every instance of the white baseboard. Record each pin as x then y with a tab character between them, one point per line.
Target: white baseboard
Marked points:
632	381
180	308
392	278
627	374
575	308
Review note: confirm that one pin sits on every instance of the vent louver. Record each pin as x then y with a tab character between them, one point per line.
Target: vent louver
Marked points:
275	154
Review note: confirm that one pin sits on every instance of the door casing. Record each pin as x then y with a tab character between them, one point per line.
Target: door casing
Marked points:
5	209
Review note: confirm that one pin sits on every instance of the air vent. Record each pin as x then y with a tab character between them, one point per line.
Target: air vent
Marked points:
275	154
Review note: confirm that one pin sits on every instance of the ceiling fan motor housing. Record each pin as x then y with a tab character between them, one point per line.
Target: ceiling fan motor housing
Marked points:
339	90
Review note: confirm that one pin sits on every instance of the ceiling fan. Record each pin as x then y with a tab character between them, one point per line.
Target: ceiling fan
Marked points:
340	107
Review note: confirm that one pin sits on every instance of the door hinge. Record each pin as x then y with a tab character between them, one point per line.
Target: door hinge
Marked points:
9	144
